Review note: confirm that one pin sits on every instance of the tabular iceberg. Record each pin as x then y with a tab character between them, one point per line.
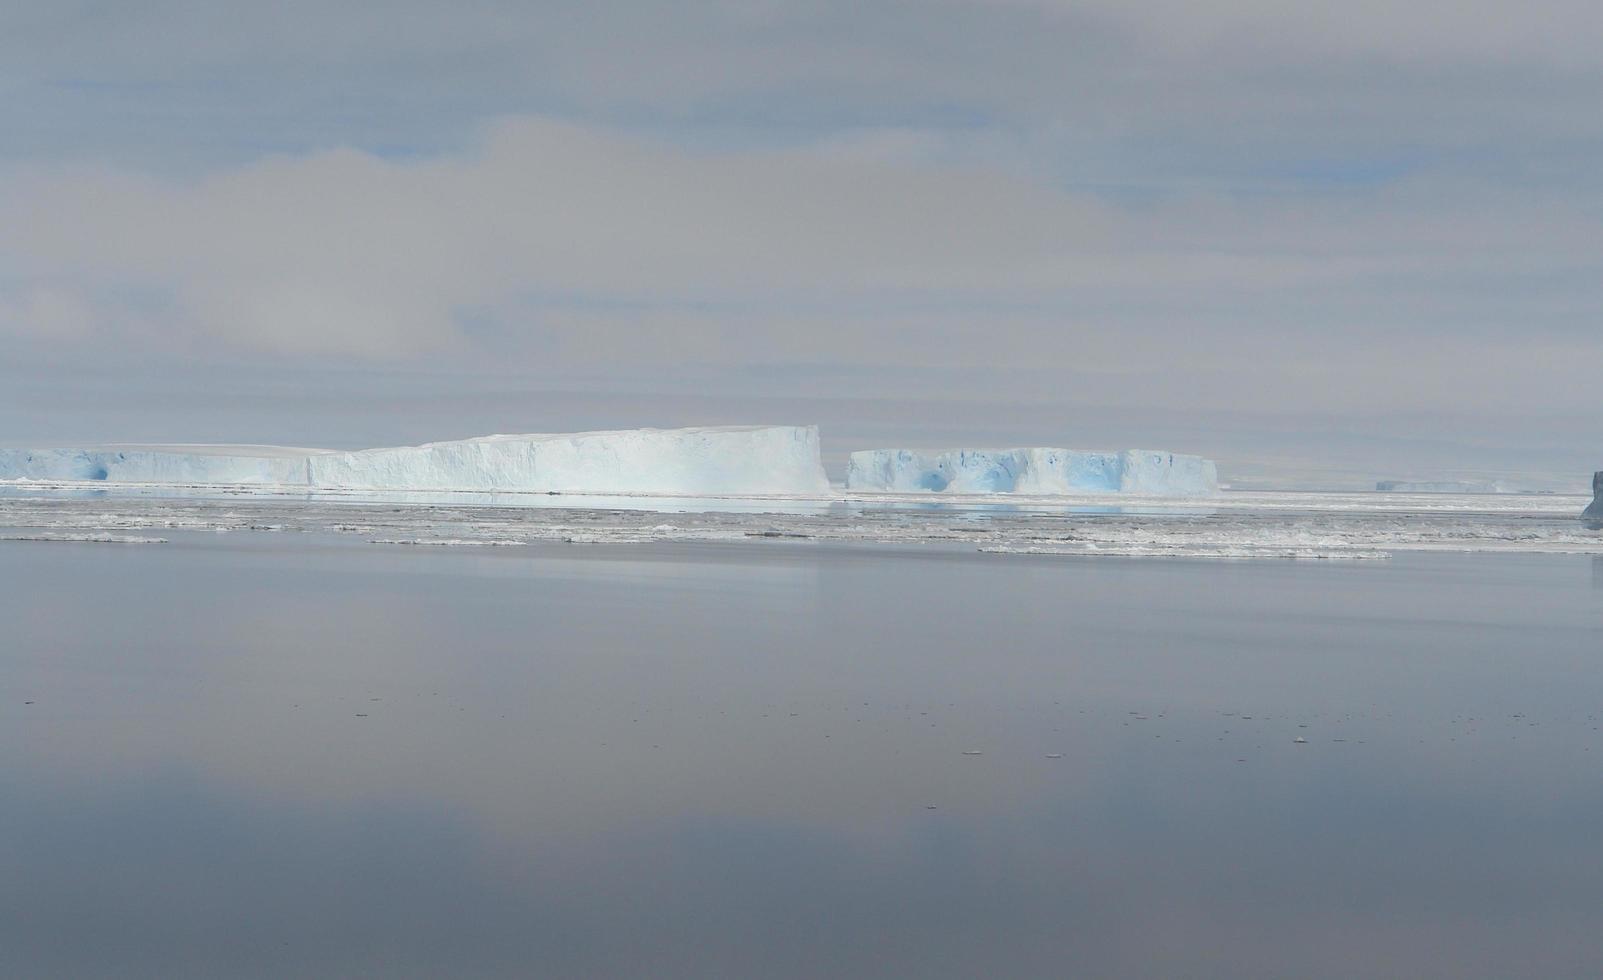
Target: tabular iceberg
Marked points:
1033	470
708	460
1440	486
160	464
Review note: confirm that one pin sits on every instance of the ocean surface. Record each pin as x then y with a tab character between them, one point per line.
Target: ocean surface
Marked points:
253	754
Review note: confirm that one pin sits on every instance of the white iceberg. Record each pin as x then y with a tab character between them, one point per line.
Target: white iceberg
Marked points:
1441	486
706	460
1033	471
161	464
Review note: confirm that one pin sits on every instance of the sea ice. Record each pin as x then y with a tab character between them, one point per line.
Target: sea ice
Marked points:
708	460
1032	471
1244	525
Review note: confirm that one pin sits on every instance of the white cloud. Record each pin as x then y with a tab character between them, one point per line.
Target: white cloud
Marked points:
348	253
1552	33
1357	208
45	311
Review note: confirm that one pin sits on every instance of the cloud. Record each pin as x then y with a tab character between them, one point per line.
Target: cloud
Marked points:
45	312
347	252
1241	206
1430	32
1099	90
545	231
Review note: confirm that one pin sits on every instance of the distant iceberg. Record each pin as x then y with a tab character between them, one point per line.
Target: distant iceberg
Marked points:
1033	471
1440	486
707	460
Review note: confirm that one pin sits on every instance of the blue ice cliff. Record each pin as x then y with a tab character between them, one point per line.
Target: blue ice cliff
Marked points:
1033	471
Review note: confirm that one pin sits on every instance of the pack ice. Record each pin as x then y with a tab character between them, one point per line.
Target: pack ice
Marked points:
706	460
1033	470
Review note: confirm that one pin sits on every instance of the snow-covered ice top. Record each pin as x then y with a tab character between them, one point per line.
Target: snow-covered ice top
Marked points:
1032	471
705	460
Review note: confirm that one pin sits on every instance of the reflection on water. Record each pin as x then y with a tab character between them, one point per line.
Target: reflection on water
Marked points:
1000	506
271	756
20	491
820	506
452	498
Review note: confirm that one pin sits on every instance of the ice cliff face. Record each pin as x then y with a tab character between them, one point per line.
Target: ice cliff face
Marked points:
715	460
1032	470
728	459
160	464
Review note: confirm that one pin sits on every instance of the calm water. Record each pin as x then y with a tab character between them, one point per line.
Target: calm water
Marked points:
285	755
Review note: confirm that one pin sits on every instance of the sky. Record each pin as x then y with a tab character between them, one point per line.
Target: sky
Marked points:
1322	243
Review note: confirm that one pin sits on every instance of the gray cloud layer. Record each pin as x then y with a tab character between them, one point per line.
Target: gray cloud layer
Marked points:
1354	214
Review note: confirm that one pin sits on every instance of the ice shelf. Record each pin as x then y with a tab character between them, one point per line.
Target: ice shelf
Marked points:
706	460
